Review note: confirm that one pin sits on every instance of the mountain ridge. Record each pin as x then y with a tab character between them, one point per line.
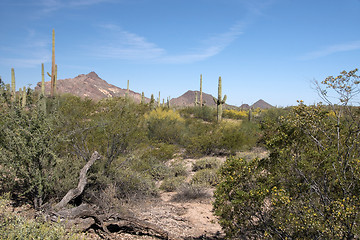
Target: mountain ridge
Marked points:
92	86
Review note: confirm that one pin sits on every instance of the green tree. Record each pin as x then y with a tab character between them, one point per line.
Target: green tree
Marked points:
309	186
27	153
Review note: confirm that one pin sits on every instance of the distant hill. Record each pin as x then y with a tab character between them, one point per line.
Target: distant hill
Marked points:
188	99
261	104
92	86
89	85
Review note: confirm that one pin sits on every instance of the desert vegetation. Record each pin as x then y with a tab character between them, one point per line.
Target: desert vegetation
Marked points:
47	142
78	163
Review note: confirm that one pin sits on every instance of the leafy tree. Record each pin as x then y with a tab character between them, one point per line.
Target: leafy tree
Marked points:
309	186
27	153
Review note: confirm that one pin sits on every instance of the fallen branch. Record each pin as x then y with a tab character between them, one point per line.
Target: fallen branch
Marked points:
87	216
75	192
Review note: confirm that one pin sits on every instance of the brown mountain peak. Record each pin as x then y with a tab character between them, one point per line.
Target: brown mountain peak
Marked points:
92	75
261	104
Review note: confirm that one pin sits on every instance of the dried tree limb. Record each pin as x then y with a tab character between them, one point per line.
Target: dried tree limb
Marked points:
75	192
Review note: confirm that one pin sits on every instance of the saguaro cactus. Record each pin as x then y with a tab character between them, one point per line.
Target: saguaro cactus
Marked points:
219	101
55	82
159	100
13	89
201	97
53	70
142	98
196	99
250	114
127	90
152	101
42	80
168	102
23	104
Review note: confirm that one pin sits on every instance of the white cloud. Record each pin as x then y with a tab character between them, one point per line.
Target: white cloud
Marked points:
345	47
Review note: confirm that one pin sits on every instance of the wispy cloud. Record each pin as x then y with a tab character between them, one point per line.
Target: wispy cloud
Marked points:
210	48
345	47
127	46
31	53
54	5
130	46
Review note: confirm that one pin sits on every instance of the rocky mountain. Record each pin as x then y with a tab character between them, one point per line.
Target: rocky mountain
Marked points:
261	104
188	99
92	86
89	85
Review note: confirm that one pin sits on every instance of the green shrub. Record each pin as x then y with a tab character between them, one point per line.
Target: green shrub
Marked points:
130	184
160	151
188	192
178	169
238	136
28	143
165	125
211	163
204	113
206	177
172	184
13	226
309	186
159	171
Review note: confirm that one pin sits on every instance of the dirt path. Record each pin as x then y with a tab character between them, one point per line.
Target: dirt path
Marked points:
183	220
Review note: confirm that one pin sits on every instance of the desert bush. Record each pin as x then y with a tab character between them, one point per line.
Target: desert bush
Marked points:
309	186
235	114
238	136
172	184
205	177
223	138
159	171
178	169
131	185
165	125
186	192
28	156
13	226
204	113
211	163
160	151
200	138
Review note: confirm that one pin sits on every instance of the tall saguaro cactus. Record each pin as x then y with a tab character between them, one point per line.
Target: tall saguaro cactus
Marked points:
127	90
23	103
13	89
42	80
201	96
159	99
152	102
219	101
142	98
53	70
168	102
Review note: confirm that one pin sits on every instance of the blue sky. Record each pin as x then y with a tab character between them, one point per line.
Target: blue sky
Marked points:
268	49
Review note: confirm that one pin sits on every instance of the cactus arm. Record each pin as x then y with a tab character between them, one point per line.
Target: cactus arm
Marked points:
42	80
201	95
13	90
23	104
215	100
224	99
